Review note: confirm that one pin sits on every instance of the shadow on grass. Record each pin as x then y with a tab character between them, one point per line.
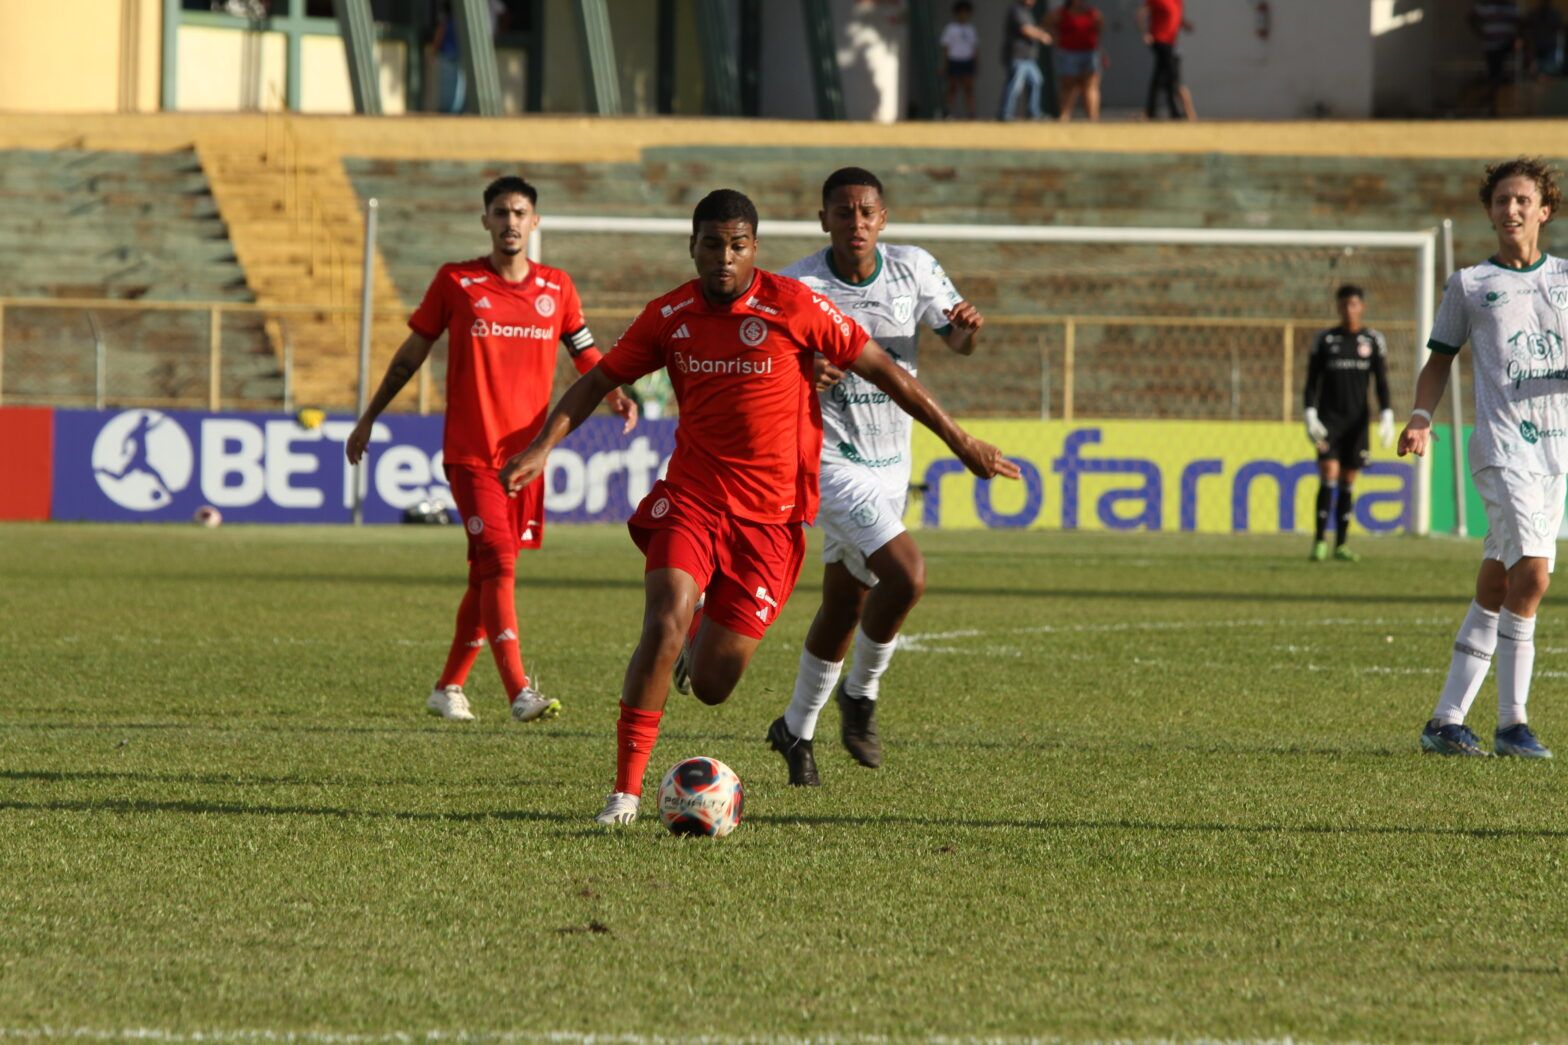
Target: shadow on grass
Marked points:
461	732
198	807
207	808
453	580
1071	744
56	776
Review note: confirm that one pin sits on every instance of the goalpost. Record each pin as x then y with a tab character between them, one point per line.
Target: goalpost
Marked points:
1422	245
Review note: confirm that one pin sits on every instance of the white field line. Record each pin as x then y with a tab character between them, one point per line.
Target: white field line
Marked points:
156	1034
951	642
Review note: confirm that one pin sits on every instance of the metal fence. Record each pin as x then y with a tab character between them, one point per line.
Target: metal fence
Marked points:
229	355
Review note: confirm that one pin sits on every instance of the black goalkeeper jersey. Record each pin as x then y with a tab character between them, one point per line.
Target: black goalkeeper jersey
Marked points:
1338	371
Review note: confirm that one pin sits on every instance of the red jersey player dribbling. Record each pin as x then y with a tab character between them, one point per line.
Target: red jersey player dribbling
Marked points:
726	521
503	316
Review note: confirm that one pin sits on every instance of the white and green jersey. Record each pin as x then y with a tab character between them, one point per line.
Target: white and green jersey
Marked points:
1514	320
860	425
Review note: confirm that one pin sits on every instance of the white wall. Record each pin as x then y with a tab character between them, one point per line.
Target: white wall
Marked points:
1316	61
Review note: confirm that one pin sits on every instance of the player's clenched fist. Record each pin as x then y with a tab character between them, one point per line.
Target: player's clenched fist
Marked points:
965	317
827	375
1416	438
985	460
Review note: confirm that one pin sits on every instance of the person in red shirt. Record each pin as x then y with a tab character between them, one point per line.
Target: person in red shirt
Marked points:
503	316
1078	58
725	523
1162	21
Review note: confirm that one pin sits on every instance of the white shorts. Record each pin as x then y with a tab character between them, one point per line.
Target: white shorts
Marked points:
1523	514
858	515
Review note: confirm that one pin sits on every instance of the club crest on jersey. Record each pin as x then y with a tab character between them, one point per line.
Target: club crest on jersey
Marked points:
1558	297
903	308
545	304
1363	349
753	331
476	525
661	508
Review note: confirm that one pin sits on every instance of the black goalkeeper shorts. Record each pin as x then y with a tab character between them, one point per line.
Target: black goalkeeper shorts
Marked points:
1348	446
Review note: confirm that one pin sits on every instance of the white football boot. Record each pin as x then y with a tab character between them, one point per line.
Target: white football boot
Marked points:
619	809
451	703
533	706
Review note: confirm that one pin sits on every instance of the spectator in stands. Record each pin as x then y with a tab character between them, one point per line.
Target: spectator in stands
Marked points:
1496	22
451	81
1162	21
1543	34
1078	58
960	43
1021	40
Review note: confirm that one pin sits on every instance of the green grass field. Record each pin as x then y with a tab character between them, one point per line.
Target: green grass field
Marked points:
1136	788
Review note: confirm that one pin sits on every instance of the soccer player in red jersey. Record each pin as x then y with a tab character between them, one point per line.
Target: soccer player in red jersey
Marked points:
502	315
726	521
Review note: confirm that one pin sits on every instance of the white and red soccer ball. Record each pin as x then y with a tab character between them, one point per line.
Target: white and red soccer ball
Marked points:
701	796
207	516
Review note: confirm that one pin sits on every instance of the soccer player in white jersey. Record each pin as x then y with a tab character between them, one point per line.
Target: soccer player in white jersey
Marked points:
1510	309
873	572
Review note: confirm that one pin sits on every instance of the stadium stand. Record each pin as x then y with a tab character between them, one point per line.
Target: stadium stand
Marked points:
430	210
1290	176
105	224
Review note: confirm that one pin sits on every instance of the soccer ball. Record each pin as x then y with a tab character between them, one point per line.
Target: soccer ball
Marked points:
207	516
701	796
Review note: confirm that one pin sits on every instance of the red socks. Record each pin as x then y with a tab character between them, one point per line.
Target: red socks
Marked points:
500	618
635	734
467	640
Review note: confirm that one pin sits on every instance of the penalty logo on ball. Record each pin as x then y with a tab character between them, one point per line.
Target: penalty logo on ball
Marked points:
701	796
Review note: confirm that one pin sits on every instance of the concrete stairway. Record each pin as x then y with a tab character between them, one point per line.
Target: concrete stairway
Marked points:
297	228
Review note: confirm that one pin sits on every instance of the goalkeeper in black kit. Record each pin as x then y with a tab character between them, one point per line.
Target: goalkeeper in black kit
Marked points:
1344	359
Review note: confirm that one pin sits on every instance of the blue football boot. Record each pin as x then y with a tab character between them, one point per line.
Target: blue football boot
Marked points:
1519	742
1451	738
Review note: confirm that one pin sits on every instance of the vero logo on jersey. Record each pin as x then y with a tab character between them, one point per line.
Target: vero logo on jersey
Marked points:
484	328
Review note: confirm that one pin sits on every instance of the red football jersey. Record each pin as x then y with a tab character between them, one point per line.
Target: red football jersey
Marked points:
1165	20
749	436
500	353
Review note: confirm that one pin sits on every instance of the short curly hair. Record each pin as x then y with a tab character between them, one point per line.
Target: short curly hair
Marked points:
1537	170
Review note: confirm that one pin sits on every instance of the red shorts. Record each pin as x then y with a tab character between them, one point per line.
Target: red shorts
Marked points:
747	569
497	525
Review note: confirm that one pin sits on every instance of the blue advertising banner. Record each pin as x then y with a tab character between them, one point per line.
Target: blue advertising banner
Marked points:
150	465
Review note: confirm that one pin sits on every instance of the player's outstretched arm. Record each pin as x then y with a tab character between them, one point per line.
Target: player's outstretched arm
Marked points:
981	458
575	407
406	361
1418	435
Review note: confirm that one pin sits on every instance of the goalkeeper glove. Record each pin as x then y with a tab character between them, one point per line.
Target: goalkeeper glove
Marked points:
1316	432
1385	428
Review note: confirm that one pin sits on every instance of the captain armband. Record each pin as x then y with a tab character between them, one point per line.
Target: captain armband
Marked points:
578	341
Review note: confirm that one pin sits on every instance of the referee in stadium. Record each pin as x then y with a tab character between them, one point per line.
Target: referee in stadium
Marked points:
1337	417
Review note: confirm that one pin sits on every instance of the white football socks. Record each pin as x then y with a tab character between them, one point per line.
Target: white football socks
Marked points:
1473	648
871	661
1515	663
814	684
